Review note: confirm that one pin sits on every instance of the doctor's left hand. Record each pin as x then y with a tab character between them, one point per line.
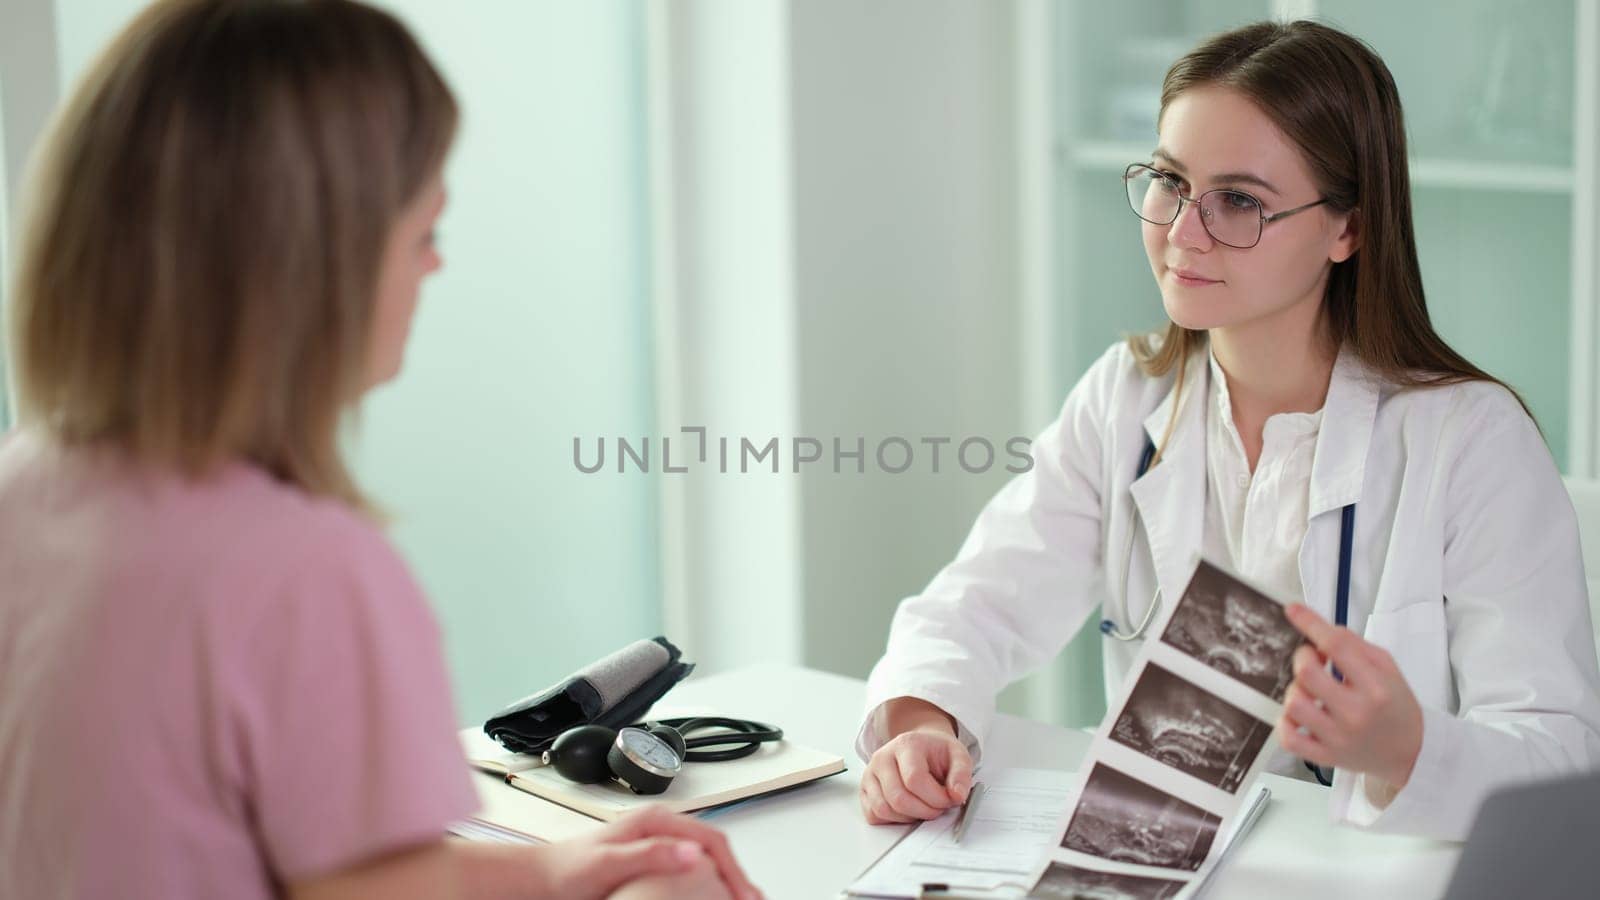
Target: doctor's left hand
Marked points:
1370	722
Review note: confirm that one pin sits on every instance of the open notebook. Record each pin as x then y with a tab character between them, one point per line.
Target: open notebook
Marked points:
775	767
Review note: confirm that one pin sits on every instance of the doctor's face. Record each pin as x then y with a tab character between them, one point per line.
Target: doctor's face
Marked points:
1213	137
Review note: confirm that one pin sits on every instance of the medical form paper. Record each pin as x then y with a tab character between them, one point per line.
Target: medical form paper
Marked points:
1009	838
1003	852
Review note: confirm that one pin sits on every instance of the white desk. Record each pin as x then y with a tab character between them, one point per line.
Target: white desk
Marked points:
812	842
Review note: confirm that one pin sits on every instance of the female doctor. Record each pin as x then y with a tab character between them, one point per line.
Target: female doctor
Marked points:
1300	422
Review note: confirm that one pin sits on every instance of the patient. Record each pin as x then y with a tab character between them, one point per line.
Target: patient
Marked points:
217	679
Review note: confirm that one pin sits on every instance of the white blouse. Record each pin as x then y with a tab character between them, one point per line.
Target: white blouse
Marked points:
1255	523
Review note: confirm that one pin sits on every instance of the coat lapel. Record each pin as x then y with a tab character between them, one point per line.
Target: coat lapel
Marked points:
1171	496
1338	470
1339	465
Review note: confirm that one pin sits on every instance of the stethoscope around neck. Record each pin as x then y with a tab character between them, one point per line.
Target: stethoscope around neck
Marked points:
1108	625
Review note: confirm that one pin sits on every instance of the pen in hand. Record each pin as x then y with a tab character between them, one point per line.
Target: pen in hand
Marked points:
969	811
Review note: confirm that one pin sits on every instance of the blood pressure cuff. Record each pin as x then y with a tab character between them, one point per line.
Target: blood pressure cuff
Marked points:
615	692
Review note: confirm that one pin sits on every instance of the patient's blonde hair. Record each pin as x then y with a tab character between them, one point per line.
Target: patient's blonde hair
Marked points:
207	218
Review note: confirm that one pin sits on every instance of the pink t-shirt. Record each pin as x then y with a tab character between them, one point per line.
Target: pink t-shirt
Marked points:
206	689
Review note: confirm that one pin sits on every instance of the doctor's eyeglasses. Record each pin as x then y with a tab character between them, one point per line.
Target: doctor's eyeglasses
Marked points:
1232	218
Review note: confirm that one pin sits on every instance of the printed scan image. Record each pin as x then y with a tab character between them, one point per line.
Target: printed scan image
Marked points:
1236	630
1123	819
1064	882
1189	729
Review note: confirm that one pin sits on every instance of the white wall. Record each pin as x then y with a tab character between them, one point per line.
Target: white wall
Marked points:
724	255
537	331
6	400
888	303
28	89
907	297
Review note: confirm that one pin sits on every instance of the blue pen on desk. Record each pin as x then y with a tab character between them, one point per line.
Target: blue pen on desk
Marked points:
968	812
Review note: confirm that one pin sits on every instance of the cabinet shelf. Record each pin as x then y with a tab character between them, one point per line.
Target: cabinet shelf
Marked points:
1426	171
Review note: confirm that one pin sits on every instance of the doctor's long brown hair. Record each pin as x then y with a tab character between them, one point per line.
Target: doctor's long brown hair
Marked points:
205	225
1335	100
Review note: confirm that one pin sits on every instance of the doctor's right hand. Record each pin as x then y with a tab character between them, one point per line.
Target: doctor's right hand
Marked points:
923	770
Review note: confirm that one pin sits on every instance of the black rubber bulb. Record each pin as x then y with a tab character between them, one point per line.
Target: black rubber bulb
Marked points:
579	754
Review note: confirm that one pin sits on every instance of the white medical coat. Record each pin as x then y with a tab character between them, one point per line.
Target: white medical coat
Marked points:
1466	568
